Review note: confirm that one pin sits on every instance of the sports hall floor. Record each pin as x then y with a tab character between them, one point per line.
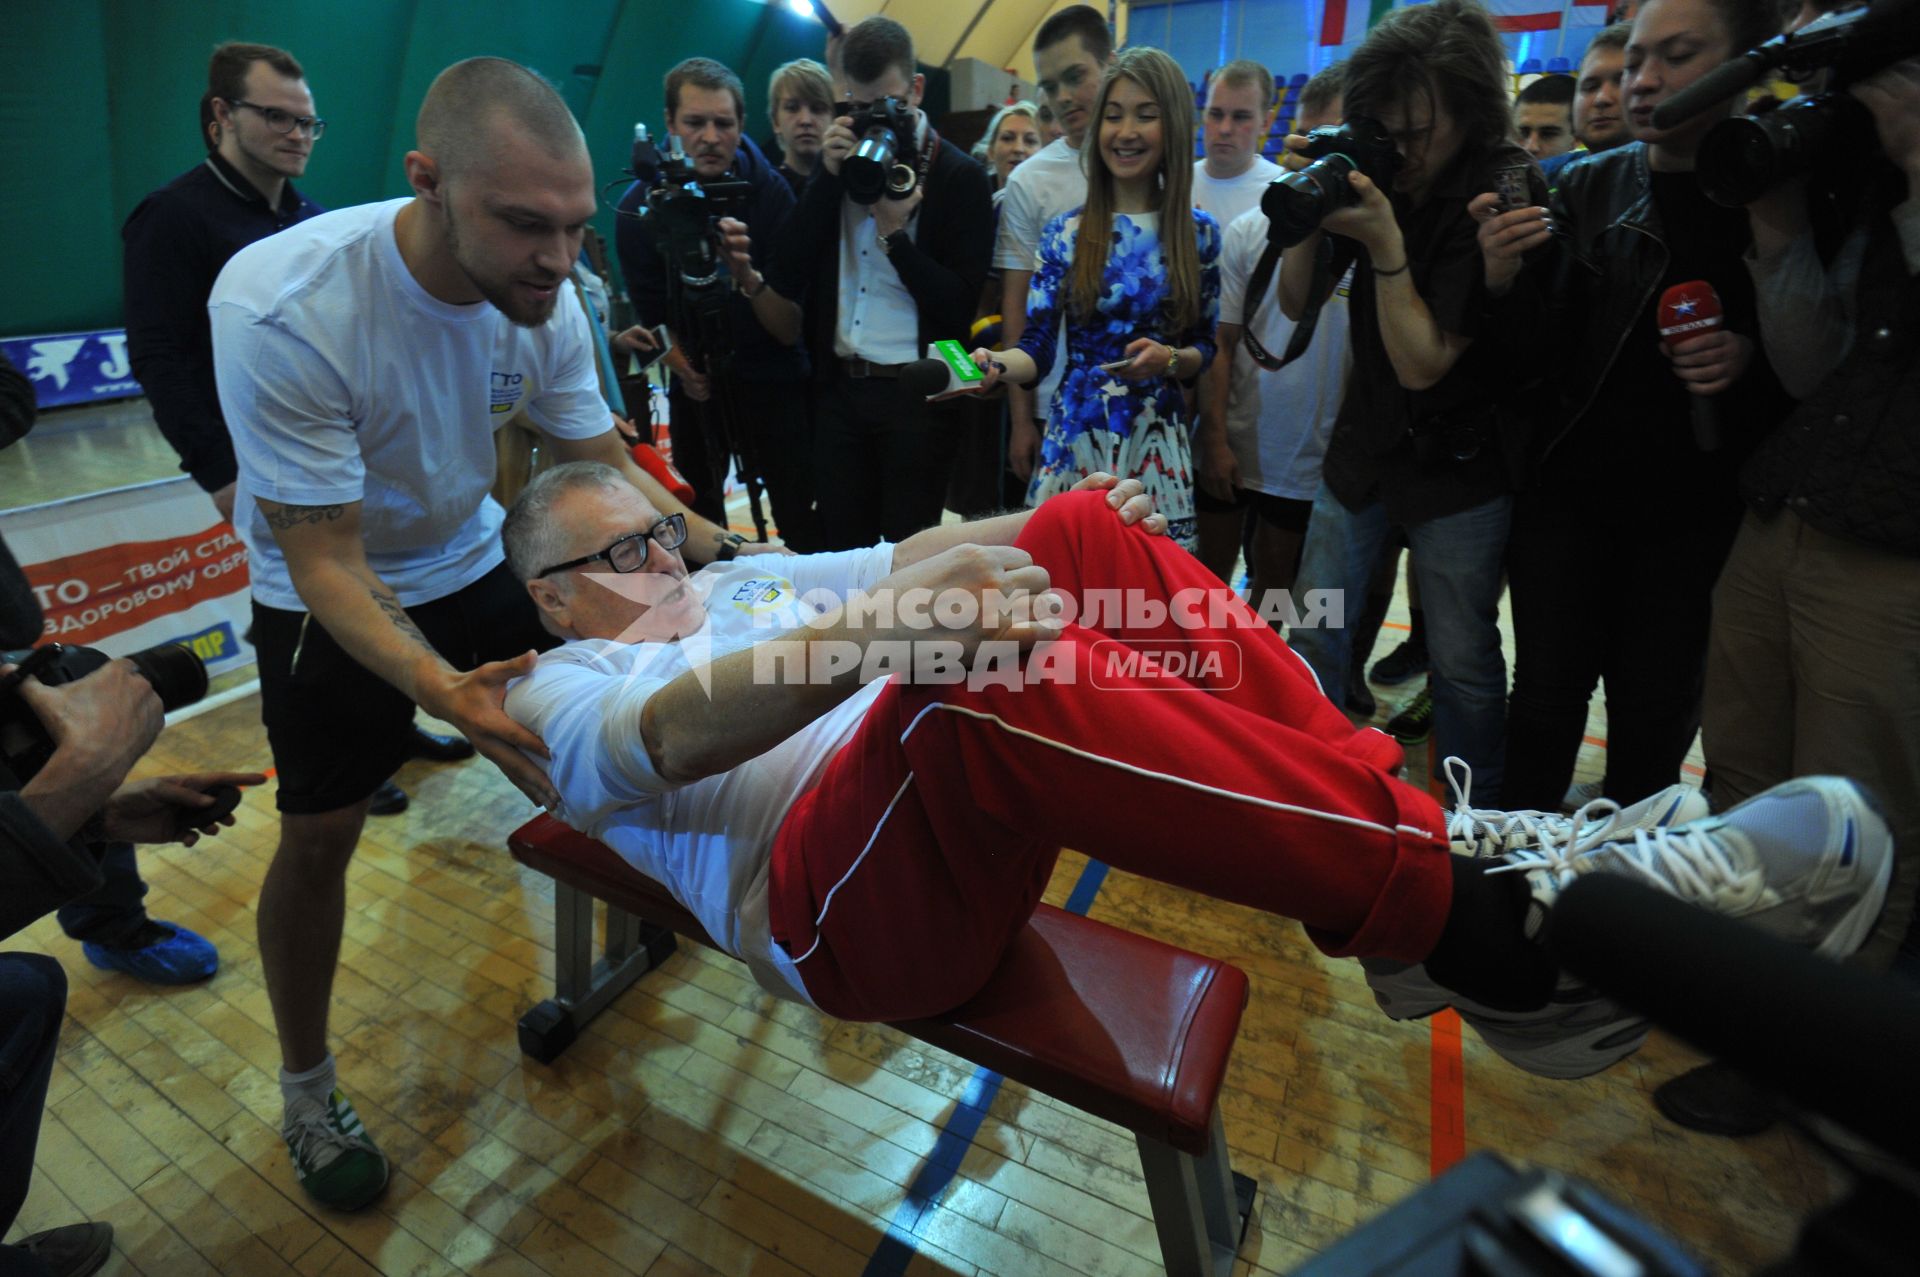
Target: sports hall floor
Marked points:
700	1126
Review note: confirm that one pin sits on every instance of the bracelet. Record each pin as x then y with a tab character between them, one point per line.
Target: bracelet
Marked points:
1401	269
757	291
1173	363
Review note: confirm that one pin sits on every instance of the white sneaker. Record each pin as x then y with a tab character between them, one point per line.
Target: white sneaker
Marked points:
1579	794
1406	992
1486	834
1808	861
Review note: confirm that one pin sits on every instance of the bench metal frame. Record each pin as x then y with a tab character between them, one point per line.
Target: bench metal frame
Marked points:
1201	1206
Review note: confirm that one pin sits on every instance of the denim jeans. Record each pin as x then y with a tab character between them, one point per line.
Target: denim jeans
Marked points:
111	913
1458	560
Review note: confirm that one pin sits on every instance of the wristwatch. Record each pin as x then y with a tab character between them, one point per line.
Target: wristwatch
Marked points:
729	550
1173	363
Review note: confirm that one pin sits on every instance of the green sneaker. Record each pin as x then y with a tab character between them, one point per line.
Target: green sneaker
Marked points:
1414	723
337	1164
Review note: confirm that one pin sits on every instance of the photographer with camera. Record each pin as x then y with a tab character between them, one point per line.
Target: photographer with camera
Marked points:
1661	391
1424	439
693	240
64	803
887	255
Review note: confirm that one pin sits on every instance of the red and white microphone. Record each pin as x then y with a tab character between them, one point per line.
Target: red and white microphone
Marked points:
1691	310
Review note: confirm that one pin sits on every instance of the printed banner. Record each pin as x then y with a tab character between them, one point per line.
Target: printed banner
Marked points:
70	368
135	567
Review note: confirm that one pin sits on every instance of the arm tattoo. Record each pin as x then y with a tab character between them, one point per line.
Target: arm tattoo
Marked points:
398	615
292	516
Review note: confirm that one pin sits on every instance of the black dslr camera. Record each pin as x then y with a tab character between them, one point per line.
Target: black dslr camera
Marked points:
1745	156
177	675
1297	202
885	132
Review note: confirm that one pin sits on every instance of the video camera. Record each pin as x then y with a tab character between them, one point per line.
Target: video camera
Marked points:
1743	157
1297	202
178	676
885	131
682	211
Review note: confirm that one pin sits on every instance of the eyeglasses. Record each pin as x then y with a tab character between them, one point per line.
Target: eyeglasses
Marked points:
284	121
630	552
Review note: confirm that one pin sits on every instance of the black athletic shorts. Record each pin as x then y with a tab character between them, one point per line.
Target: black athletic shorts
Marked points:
337	729
1284	513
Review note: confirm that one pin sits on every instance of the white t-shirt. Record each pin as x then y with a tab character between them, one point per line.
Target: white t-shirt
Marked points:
1228	198
1278	423
709	843
1041	187
343	380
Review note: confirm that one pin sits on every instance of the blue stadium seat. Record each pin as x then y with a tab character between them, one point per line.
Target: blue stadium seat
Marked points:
1530	67
1298	80
1559	66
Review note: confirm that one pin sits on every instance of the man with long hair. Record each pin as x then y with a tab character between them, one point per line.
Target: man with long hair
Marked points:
1422	441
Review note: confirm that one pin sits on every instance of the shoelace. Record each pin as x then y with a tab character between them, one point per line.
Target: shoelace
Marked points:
1489	833
311	1132
1698	867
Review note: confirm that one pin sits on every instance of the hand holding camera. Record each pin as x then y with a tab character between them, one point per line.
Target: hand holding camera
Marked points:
1339	189
1892	97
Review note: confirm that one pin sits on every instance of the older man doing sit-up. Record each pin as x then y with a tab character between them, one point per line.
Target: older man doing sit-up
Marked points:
856	769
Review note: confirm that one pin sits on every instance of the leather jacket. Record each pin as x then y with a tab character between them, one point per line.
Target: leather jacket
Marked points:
1603	276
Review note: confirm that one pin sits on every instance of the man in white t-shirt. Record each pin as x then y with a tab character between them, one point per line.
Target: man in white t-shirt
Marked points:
364	359
857	769
1230	178
1262	434
1071	51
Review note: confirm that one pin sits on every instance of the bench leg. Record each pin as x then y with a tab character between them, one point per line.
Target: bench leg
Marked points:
583	986
1200	1207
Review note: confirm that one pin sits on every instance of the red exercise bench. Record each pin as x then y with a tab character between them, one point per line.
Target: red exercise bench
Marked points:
1120	1026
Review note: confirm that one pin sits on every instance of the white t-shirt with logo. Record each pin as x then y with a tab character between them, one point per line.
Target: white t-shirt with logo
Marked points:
1278	423
1228	198
1041	187
343	380
709	843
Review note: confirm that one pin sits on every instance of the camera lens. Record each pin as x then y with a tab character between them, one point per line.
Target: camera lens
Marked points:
1296	203
178	676
1745	156
865	170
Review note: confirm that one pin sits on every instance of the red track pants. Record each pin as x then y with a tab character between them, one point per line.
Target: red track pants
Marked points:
903	875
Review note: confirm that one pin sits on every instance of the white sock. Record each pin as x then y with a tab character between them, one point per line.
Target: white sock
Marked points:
315	1084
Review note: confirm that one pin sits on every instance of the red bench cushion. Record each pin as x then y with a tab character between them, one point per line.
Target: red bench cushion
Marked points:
1119	1025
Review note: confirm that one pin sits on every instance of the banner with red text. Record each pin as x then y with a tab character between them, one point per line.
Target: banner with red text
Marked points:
134	567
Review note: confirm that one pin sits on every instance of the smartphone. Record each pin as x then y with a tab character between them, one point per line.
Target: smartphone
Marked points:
1514	191
645	359
1116	365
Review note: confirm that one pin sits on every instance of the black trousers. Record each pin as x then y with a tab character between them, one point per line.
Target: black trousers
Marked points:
882	455
112	913
1623	594
33	996
769	424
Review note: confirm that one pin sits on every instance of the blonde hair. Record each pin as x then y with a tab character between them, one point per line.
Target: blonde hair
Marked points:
1000	117
801	78
1167	85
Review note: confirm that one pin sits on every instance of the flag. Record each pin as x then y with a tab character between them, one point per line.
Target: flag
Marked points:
1582	14
1517	16
1348	21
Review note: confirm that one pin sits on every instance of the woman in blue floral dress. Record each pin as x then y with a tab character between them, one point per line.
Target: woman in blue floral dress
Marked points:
1135	276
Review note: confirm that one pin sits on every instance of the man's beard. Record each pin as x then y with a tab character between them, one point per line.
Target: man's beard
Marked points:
499	295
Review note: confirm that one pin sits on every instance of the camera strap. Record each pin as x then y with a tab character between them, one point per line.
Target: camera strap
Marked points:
1257	287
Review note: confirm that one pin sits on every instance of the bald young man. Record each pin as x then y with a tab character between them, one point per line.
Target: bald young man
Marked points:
364	359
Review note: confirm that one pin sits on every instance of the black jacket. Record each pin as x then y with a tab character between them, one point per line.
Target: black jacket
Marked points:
943	266
1603	277
1848	460
757	357
177	241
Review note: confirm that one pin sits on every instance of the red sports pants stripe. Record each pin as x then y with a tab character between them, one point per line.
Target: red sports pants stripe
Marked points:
931	835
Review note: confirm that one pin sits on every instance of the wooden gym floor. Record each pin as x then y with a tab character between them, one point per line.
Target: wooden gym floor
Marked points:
700	1126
